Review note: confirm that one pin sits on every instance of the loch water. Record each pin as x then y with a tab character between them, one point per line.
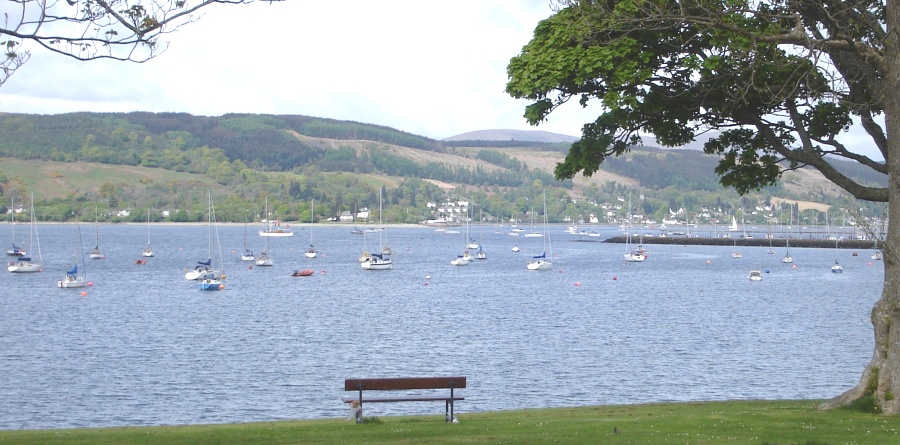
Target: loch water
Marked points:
143	346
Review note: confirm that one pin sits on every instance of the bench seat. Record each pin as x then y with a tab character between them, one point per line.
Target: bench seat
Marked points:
409	384
405	399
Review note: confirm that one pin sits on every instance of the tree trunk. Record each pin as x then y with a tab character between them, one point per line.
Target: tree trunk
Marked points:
880	382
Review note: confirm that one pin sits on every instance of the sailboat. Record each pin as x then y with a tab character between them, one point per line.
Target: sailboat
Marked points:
837	268
465	258
311	250
462	260
275	229
541	262
15	250
95	253
212	280
248	254
24	264
480	254
787	240
264	259
770	236
204	270
736	253
378	261
787	250
632	255
733	227
72	279
148	252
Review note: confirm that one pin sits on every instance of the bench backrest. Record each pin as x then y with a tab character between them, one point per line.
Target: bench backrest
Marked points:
404	383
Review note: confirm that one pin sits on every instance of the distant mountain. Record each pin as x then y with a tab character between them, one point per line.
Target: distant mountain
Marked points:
513	135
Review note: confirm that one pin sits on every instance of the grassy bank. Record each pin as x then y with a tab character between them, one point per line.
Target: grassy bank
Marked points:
737	423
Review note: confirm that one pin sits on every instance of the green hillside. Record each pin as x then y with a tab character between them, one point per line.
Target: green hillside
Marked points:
77	162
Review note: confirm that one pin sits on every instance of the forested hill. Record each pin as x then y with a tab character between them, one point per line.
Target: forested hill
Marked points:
264	142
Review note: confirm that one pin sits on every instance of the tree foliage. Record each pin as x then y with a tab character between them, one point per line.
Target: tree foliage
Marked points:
781	82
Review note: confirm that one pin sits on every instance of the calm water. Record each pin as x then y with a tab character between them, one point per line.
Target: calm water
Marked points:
144	347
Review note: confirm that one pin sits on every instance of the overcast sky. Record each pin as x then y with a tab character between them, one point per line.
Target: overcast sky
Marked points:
433	68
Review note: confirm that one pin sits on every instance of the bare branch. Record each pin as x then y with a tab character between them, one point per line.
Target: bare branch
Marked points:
124	30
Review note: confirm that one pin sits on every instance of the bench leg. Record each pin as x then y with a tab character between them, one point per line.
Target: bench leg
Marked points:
448	410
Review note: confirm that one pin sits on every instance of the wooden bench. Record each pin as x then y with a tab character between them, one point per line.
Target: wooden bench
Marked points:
405	383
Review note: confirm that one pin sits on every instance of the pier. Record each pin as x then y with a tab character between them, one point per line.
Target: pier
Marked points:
749	242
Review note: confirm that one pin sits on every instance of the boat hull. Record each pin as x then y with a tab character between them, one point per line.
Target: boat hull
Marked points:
23	267
210	285
71	283
281	232
203	275
539	265
634	257
377	265
459	262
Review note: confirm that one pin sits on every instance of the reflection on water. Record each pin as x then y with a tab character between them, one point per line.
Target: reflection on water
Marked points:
144	347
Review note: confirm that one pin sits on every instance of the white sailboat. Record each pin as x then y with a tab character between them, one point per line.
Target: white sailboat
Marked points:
481	254
734	226
275	229
204	270
248	254
311	251
72	279
632	255
465	258
25	264
264	259
148	252
736	253
462	260
837	268
787	250
541	262
787	241
378	261
95	253
212	280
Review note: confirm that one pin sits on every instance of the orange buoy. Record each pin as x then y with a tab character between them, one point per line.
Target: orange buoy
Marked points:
83	293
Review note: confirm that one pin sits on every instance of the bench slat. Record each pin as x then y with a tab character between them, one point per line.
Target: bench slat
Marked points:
388	384
402	399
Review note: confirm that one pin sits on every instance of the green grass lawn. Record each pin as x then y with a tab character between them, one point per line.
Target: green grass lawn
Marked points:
738	423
